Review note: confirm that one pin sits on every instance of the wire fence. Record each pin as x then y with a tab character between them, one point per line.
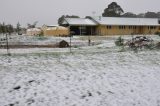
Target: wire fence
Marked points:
68	44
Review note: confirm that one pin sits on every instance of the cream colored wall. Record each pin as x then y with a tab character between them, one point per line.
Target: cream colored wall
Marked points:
102	30
59	32
33	33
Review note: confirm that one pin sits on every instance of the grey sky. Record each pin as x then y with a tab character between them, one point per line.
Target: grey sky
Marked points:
48	11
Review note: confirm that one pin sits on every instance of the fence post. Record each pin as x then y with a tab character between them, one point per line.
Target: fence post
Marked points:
7	45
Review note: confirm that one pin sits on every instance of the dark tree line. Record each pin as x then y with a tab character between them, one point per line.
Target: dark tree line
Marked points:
115	10
142	15
6	28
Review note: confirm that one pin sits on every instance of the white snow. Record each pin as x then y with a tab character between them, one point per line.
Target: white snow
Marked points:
96	75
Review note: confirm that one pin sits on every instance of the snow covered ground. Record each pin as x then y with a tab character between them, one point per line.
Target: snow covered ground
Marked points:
98	75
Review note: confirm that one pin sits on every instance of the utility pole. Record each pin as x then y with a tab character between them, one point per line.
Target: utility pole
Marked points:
89	39
70	43
70	38
7	45
80	29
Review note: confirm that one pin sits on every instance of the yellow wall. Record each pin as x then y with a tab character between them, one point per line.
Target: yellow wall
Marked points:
115	30
150	31
57	32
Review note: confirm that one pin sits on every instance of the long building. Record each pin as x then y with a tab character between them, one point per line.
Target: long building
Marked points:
55	30
112	26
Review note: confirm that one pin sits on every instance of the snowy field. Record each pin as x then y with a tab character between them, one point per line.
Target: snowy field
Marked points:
98	75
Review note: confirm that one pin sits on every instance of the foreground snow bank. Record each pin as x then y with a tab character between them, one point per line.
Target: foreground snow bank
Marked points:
102	78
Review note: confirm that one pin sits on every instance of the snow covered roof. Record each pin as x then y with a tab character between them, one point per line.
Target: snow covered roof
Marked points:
52	25
79	21
57	28
33	29
126	21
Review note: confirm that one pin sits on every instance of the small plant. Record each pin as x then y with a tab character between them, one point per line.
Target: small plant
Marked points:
150	46
41	34
158	45
119	41
122	49
157	33
75	46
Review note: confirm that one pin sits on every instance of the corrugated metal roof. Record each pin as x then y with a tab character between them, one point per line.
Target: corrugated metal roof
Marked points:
126	21
79	21
57	28
34	29
52	25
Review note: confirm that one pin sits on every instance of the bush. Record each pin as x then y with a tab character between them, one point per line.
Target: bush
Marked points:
150	46
41	34
158	45
119	41
157	33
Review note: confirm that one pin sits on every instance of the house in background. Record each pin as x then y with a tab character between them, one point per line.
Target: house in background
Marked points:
55	30
112	26
126	26
80	26
34	31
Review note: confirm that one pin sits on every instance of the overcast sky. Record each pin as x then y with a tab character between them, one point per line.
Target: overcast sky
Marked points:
48	11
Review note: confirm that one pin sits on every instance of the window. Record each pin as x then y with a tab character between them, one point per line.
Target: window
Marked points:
109	27
122	27
151	27
130	27
134	27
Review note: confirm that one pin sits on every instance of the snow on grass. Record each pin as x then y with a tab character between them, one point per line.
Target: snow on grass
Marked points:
81	79
99	75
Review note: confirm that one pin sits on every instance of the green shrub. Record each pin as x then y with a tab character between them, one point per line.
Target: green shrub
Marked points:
150	46
157	33
41	34
119	41
158	45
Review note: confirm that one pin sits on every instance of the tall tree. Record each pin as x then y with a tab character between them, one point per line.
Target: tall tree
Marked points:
60	20
9	28
113	10
18	28
3	28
